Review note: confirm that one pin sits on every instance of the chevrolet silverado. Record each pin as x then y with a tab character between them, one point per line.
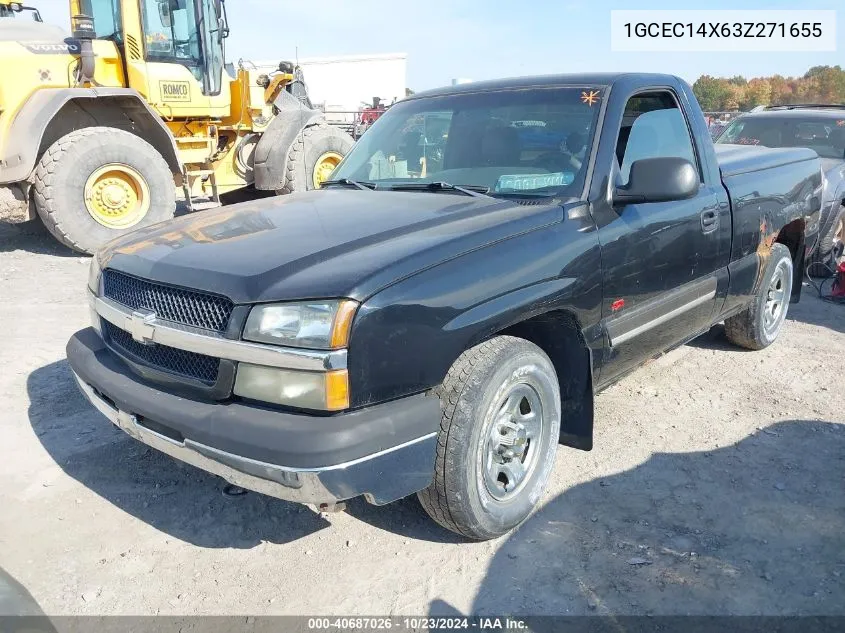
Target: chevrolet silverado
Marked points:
438	318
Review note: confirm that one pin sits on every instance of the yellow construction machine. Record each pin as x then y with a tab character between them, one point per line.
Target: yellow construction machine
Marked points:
100	129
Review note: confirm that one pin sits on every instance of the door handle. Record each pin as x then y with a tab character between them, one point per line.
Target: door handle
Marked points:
709	221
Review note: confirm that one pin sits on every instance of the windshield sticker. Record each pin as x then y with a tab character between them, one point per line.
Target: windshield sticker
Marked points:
527	182
590	97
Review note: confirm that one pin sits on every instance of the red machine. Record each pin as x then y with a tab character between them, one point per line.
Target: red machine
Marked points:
838	289
370	114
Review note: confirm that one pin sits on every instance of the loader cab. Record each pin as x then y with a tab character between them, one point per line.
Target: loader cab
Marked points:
173	51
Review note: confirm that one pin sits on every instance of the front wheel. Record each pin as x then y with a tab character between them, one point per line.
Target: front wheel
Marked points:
499	429
97	183
760	324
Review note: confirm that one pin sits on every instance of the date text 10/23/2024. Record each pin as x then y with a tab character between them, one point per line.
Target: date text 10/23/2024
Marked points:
405	623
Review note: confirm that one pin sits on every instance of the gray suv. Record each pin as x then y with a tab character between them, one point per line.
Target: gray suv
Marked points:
819	127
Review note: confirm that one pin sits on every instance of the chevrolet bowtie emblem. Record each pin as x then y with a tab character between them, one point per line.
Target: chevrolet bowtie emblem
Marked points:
141	325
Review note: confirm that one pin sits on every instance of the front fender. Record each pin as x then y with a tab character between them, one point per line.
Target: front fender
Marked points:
126	109
407	335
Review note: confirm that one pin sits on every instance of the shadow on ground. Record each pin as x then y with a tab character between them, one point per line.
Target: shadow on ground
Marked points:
715	339
15	599
753	528
33	237
175	498
405	518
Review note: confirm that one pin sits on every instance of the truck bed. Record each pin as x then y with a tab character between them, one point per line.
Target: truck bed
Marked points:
742	159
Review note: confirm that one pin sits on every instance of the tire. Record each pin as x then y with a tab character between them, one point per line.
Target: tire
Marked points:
314	142
464	497
64	169
833	233
760	324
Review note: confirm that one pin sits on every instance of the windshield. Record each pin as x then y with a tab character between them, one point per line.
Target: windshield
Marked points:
519	142
186	32
824	135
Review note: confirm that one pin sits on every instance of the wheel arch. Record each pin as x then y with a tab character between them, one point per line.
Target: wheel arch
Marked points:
52	113
558	333
792	235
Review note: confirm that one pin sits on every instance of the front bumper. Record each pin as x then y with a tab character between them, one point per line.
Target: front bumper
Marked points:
384	452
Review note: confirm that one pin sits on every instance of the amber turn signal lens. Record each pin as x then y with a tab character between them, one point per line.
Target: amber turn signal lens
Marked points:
337	390
343	323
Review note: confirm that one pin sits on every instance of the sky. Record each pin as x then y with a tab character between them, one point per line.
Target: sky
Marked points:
486	39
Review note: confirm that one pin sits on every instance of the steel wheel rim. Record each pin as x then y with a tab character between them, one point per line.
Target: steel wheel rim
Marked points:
324	167
512	442
117	196
777	295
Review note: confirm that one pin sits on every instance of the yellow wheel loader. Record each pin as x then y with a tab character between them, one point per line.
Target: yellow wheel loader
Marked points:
99	130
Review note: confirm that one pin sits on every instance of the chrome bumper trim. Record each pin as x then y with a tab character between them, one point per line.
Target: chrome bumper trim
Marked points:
146	328
328	484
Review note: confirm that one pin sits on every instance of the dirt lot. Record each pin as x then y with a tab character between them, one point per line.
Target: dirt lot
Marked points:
717	486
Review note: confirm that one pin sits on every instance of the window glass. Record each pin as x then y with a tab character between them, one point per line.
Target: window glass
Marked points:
825	135
653	127
172	33
106	14
519	142
214	42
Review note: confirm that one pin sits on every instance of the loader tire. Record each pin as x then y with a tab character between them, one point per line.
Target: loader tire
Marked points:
318	147
98	183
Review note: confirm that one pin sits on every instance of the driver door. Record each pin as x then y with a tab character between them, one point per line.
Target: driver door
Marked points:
660	259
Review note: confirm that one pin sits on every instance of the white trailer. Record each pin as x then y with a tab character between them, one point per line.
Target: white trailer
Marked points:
341	86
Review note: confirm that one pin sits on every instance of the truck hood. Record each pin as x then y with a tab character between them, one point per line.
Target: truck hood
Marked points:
319	244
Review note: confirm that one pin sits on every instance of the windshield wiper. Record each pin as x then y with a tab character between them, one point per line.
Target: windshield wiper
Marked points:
366	186
477	191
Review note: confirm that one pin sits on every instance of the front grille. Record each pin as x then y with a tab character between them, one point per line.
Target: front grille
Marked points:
188	307
175	361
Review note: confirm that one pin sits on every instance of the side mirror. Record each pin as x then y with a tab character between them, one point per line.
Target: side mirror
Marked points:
658	180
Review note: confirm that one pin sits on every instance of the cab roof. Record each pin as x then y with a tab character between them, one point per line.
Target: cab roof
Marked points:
547	81
805	114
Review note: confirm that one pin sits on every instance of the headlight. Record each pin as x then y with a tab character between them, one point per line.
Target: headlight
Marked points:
327	391
317	324
94	274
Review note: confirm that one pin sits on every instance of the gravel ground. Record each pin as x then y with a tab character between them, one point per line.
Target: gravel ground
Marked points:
717	486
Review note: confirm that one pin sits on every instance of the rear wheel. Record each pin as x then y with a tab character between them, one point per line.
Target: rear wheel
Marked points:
314	155
499	429
759	325
95	184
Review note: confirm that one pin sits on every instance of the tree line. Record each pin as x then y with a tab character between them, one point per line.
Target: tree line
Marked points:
820	84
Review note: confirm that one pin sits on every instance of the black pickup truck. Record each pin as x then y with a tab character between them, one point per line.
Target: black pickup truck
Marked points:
439	317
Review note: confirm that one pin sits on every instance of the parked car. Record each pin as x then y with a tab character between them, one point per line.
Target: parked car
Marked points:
819	127
441	334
